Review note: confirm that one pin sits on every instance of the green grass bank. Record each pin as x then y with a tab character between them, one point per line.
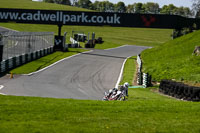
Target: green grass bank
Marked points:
112	36
145	111
129	71
29	4
174	59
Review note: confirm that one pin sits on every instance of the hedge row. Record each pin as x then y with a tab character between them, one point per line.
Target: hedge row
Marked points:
179	90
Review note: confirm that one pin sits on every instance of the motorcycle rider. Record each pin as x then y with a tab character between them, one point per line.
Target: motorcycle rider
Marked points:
124	88
112	92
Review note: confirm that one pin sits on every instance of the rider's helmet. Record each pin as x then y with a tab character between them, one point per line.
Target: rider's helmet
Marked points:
126	84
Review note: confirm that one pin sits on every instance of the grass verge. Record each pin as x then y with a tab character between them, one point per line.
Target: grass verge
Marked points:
45	61
112	36
129	71
145	111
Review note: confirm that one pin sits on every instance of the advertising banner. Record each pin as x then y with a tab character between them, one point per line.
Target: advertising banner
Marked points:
56	17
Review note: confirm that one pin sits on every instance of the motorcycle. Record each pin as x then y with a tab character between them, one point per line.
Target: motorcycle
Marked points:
114	94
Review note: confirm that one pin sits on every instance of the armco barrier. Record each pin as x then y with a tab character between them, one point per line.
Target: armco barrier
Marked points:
18	60
3	66
23	58
37	54
41	53
14	62
10	63
179	90
45	51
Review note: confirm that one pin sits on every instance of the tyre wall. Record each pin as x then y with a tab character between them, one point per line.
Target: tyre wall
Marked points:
179	90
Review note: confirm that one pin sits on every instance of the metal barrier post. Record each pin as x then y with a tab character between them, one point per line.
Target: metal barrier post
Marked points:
1	51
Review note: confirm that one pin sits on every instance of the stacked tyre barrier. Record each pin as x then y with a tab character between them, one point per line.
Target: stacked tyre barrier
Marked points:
139	78
146	80
19	60
142	78
179	90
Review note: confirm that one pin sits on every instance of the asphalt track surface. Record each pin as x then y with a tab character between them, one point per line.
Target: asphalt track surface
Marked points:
85	76
2	29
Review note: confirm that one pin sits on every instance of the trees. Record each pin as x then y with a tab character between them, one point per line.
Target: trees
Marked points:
168	9
151	7
183	11
49	1
135	8
120	7
104	6
139	8
130	9
196	8
173	10
84	4
64	2
110	7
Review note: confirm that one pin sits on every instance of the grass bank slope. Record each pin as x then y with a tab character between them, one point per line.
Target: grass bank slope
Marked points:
174	59
145	111
29	4
112	36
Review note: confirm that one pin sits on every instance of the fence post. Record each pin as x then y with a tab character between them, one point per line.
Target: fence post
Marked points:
14	62
3	66
17	61
1	47
1	51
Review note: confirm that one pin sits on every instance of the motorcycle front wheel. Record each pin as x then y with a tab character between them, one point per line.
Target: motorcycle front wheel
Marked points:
122	99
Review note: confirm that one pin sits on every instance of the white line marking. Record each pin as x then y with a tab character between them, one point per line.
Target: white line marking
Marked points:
121	73
1	87
82	91
55	63
116	47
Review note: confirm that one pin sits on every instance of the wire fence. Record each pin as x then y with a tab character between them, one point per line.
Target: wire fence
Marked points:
18	43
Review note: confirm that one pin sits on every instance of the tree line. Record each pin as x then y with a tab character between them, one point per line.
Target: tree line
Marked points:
149	7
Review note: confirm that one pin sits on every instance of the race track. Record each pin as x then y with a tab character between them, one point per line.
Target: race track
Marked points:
85	76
